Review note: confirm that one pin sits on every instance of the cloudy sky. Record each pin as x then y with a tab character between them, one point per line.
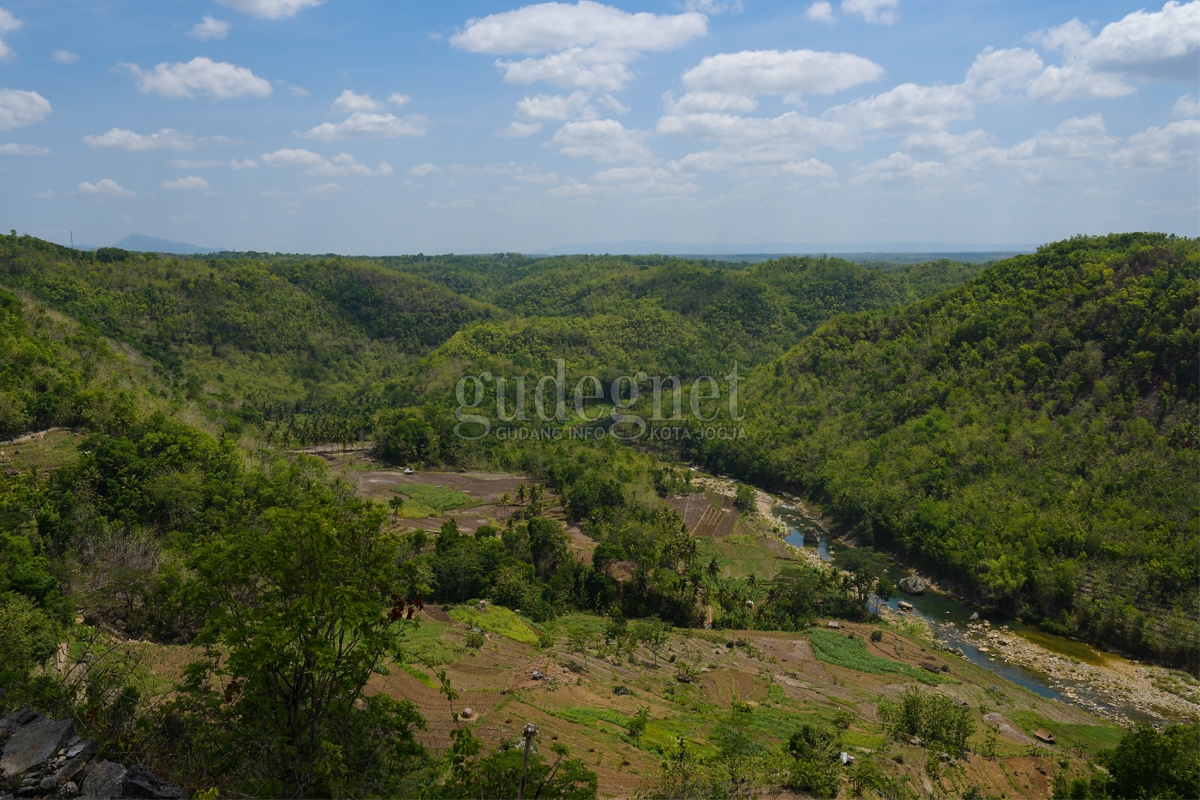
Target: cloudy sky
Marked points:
390	126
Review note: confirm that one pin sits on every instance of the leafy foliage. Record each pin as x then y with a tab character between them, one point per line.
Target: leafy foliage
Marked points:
1030	436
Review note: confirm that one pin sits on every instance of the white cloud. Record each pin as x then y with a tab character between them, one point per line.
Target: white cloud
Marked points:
908	107
105	188
8	24
246	163
22	150
1186	106
820	11
341	165
189	183
350	102
122	139
790	72
291	158
572	189
706	102
899	168
46	195
1001	74
64	57
601	139
1161	45
577	105
367	125
882	12
587	45
422	170
642	181
1074	81
1077	137
1176	145
944	143
714	6
270	9
526	173
187	163
517	130
210	28
217	79
398	98
18	107
812	168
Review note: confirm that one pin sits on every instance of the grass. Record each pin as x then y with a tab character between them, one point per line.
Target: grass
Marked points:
498	620
427	500
426	644
52	450
1088	737
590	716
839	649
419	675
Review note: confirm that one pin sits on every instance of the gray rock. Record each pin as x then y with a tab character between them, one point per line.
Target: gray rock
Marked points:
48	785
141	782
17	719
33	744
104	781
78	757
912	585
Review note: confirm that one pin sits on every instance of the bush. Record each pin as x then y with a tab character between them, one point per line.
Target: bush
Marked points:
935	718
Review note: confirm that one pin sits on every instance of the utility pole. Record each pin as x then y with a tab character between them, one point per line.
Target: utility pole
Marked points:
529	732
72	240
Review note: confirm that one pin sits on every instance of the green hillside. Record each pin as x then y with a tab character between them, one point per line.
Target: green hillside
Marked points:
1030	437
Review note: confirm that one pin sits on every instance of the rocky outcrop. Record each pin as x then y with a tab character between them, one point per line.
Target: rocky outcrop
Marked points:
912	585
42	758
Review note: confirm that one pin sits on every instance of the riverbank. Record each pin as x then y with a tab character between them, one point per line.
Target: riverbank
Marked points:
1119	683
1116	688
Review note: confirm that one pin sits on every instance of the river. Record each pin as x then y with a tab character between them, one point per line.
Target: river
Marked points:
949	620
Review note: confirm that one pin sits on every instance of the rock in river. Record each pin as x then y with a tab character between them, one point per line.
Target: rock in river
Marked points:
912	585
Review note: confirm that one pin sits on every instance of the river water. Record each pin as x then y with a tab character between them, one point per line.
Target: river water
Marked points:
949	618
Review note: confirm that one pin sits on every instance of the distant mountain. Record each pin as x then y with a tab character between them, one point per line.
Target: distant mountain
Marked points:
149	244
643	247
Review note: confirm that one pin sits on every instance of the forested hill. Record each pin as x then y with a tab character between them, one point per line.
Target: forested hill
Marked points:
1030	437
348	335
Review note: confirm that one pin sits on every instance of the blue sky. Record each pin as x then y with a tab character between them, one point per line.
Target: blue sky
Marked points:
390	127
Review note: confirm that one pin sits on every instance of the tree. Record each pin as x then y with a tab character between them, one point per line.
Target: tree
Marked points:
578	640
1149	763
654	634
298	600
397	505
637	724
745	499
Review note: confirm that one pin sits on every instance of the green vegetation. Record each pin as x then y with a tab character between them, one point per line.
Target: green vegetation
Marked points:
1029	437
427	500
935	718
1147	763
497	620
851	652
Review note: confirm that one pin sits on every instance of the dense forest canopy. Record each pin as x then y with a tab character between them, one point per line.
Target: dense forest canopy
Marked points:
1030	437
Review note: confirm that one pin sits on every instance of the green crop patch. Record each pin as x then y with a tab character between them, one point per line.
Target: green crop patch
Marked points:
427	500
498	620
843	651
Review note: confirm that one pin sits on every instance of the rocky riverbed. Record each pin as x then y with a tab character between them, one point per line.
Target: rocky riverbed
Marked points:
1105	688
